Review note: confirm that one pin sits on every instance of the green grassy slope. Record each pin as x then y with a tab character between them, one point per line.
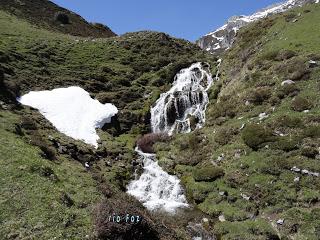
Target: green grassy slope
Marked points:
246	161
45	14
41	199
129	71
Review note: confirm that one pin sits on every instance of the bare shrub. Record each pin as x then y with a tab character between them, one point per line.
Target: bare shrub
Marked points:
146	142
107	226
259	95
300	104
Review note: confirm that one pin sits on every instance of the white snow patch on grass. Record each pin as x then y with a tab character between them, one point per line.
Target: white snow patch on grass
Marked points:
72	111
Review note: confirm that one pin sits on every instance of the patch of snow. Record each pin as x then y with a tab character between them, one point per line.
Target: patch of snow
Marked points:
72	111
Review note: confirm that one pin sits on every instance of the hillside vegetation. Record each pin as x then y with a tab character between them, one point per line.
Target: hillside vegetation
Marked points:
255	164
46	14
252	171
47	191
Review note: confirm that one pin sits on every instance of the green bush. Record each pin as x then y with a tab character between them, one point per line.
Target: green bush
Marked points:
288	121
194	139
274	100
270	55
224	135
224	108
255	135
287	143
312	131
235	179
215	90
310	152
285	54
259	95
207	173
300	104
275	165
299	73
290	90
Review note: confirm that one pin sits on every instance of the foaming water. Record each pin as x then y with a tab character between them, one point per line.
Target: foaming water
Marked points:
155	188
185	101
172	113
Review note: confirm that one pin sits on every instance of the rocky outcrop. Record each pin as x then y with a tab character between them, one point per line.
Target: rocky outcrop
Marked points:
221	39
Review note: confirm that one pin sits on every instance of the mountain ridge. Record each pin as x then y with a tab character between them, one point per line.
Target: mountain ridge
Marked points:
46	14
221	39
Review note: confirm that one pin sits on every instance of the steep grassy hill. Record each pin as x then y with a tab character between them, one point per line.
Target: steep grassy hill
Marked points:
241	166
254	163
46	193
46	14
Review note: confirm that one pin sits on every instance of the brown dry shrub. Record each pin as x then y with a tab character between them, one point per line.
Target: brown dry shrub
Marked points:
300	104
107	229
146	142
259	95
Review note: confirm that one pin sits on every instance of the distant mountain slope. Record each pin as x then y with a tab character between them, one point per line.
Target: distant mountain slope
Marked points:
254	166
223	38
46	14
129	71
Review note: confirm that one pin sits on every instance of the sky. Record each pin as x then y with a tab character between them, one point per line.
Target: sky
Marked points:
188	19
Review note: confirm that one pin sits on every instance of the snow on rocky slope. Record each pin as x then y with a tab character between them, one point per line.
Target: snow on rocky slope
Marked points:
72	111
221	39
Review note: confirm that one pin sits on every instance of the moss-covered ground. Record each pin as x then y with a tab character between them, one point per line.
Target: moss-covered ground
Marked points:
257	154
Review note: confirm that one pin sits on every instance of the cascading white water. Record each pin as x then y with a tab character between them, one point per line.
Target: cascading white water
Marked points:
187	98
155	188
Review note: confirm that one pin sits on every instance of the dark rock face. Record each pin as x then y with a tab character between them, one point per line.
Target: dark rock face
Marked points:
218	41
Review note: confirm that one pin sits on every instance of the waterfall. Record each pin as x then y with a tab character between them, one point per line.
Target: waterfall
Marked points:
156	188
185	101
172	113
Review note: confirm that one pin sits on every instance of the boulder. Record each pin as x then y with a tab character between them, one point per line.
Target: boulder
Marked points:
287	82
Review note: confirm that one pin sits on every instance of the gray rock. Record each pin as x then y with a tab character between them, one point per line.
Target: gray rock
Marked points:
222	218
197	231
313	64
287	82
280	221
295	169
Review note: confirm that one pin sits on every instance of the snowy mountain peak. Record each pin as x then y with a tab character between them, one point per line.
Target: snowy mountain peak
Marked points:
223	38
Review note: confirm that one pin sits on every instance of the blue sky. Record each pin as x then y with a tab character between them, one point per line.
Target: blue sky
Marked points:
180	18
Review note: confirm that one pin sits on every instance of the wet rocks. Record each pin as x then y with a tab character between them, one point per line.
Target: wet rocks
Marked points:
197	231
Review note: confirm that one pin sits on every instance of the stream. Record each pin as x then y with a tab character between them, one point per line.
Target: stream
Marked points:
180	110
